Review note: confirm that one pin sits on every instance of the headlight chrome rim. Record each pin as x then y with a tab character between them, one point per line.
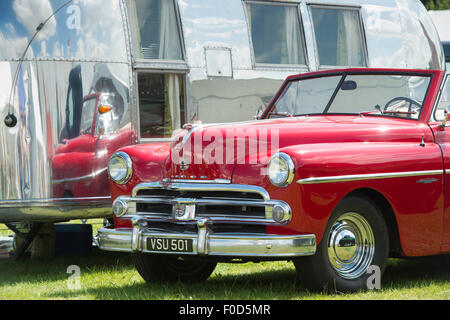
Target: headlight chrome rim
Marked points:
129	167
291	169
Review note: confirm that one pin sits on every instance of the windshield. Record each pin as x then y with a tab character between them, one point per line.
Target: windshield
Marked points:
384	95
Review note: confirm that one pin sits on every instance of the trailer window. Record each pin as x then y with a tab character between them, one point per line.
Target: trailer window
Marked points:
158	35
338	35
161	103
276	34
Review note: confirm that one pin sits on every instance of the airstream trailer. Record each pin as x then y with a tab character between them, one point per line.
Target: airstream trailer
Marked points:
82	78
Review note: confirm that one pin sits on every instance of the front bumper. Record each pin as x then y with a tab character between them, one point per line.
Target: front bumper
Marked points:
167	212
204	244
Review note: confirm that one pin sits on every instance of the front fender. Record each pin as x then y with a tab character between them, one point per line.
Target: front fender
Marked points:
149	163
416	199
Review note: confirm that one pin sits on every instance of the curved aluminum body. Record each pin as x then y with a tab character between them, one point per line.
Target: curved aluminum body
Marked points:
84	57
53	160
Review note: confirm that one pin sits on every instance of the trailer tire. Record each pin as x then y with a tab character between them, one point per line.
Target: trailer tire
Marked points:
157	268
355	239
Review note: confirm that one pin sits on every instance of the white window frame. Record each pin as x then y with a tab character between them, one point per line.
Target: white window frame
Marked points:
312	5
156	63
272	66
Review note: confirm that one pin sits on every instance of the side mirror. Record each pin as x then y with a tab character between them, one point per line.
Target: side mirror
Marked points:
349	85
258	113
446	117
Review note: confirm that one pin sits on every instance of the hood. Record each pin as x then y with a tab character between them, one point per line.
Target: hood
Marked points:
209	152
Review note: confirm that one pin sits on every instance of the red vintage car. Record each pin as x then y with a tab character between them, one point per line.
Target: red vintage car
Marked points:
344	169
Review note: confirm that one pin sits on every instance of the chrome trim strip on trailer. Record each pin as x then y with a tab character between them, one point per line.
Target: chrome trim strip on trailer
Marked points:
55	209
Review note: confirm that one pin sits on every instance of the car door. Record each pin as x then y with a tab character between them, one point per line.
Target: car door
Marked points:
442	136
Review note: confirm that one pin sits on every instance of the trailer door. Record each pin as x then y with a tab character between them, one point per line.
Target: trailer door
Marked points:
160	67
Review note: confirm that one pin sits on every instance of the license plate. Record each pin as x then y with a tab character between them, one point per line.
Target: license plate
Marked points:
170	245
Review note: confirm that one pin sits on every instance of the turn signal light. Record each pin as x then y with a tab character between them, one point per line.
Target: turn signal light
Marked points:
104	109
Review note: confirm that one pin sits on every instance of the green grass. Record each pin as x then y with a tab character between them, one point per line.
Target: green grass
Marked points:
111	276
4	231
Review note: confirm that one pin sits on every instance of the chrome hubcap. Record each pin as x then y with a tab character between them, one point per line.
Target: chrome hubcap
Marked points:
351	245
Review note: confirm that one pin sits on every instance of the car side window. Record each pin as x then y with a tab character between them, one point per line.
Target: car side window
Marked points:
444	101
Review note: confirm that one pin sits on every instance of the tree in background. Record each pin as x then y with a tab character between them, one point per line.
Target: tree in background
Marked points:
436	4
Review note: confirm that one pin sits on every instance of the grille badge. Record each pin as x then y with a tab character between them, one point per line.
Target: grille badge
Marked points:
184	209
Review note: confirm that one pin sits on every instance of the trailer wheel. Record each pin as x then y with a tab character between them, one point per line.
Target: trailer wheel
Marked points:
356	238
155	268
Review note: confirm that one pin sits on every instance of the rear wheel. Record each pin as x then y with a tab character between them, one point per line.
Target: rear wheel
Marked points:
155	268
356	237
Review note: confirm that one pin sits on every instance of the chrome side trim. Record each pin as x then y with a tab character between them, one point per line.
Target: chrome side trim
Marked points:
205	243
373	176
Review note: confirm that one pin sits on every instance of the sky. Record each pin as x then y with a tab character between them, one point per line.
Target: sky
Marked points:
75	32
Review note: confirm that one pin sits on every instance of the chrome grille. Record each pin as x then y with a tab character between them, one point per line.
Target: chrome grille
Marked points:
224	204
230	203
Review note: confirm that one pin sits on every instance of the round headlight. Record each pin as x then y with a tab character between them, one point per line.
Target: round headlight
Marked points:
120	168
120	207
281	170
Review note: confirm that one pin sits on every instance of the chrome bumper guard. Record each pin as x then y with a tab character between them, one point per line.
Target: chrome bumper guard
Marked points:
204	241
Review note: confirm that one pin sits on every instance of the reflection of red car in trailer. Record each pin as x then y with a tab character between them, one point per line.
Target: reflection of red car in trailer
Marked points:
80	164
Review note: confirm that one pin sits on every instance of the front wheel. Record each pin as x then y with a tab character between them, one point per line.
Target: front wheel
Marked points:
356	238
154	268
